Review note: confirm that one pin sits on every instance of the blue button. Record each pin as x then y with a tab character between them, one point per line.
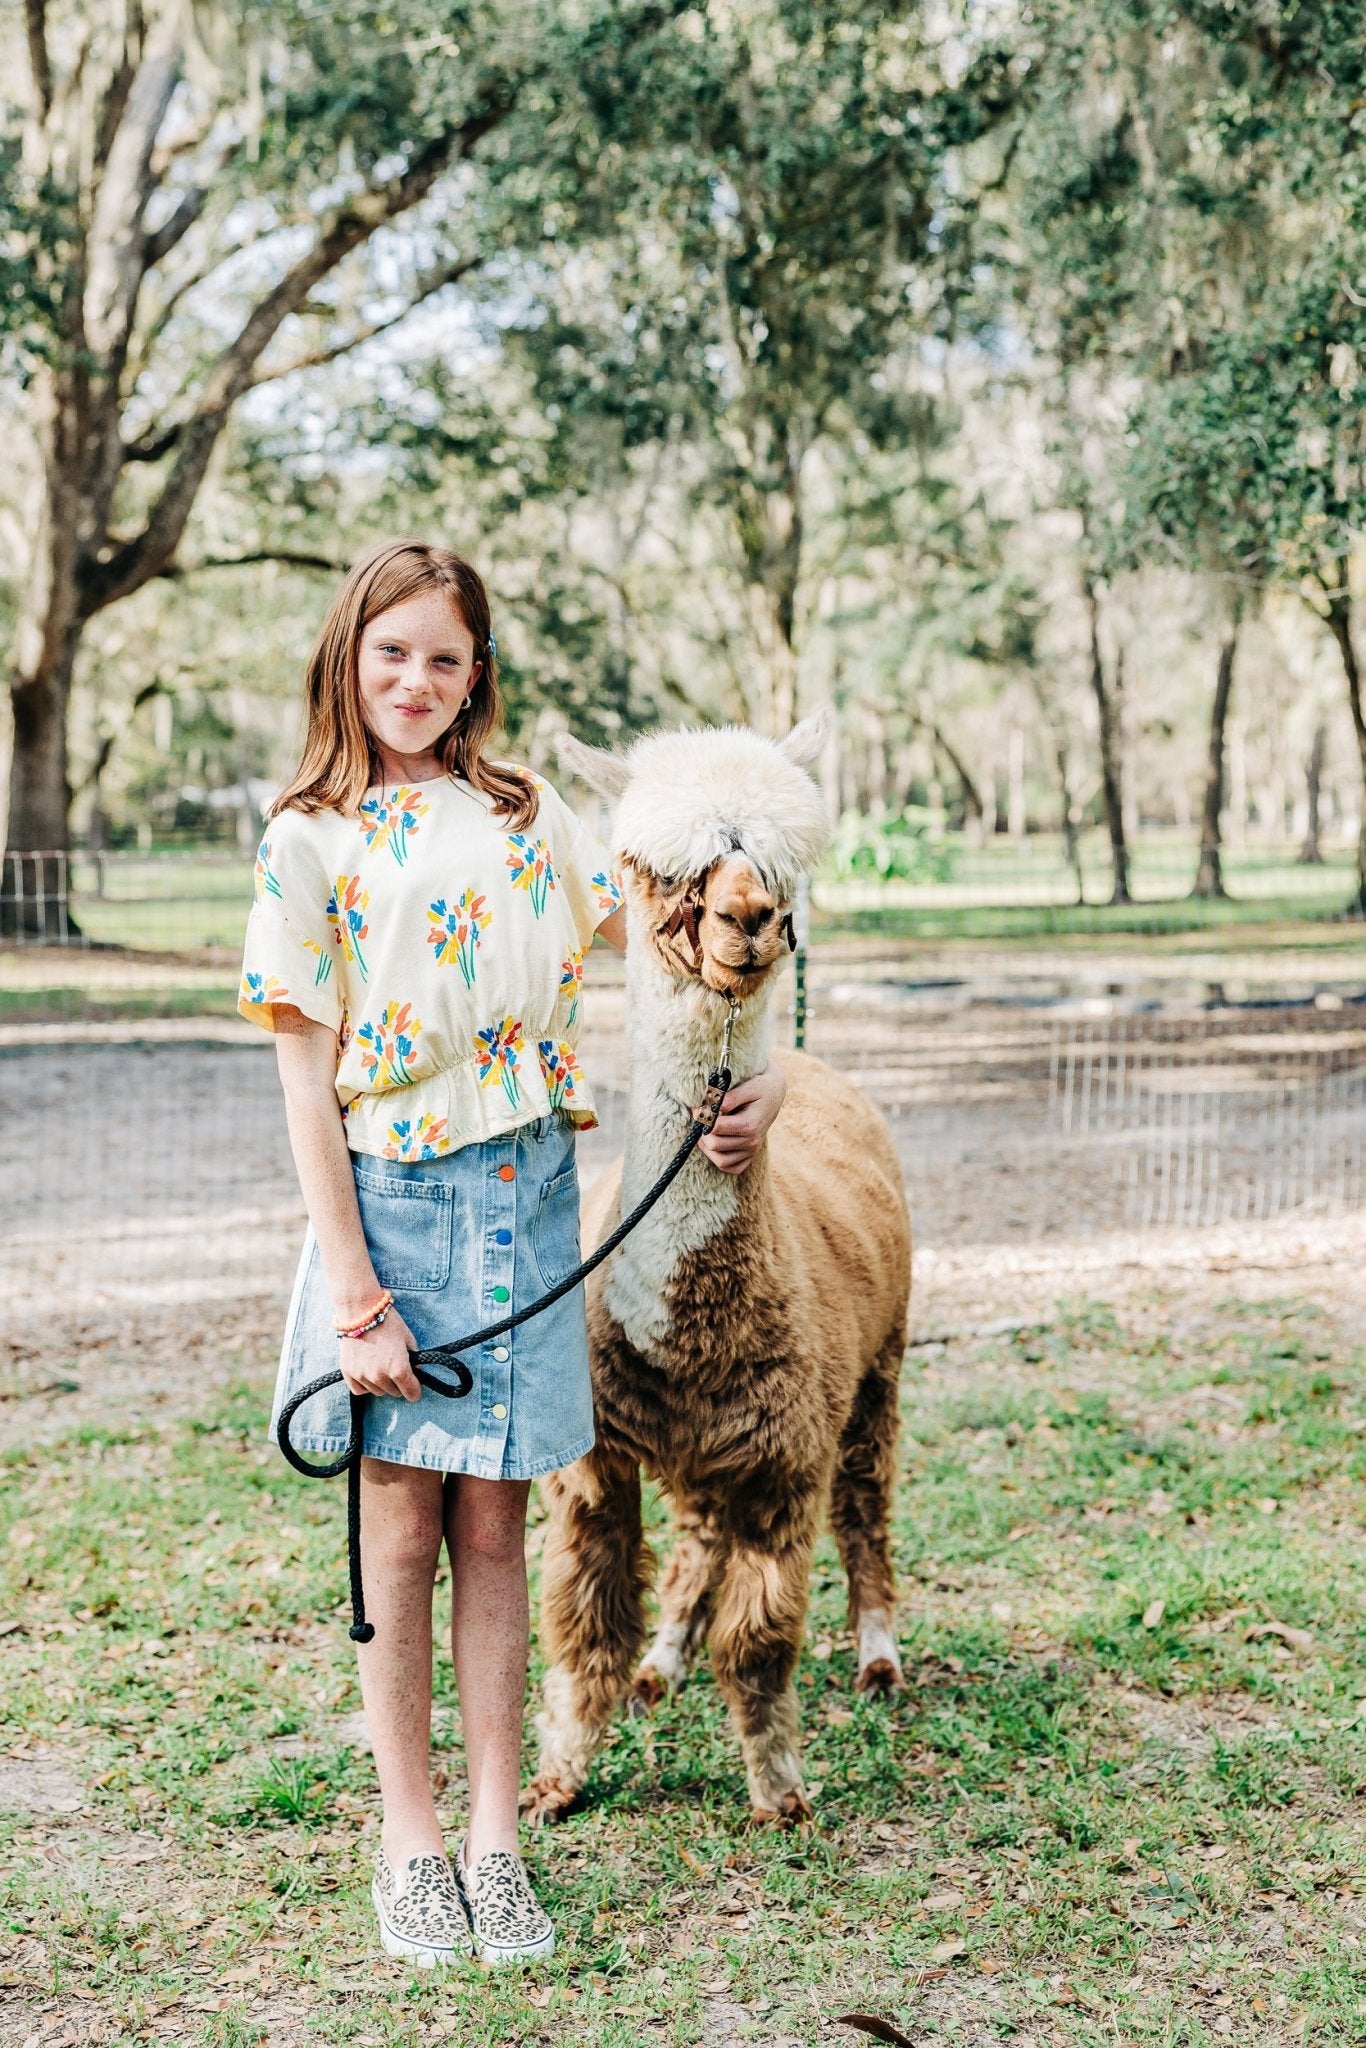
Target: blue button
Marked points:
502	1237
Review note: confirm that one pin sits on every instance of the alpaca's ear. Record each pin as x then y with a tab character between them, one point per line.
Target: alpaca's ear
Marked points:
600	769
806	741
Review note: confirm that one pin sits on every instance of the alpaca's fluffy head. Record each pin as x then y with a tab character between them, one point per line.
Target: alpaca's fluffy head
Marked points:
714	830
686	799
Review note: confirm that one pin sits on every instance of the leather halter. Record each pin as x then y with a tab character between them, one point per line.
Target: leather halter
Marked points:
688	912
686	915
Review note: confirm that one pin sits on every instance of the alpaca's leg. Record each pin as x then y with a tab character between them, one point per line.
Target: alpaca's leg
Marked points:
860	1514
594	1571
684	1605
756	1636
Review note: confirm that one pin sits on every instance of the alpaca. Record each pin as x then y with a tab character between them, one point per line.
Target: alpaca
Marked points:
747	1338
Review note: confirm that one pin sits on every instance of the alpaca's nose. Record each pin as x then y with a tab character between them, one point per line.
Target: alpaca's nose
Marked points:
748	912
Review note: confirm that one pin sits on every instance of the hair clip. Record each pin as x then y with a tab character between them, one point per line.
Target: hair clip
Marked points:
493	648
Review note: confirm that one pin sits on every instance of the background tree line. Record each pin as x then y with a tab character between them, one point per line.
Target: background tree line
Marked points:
993	373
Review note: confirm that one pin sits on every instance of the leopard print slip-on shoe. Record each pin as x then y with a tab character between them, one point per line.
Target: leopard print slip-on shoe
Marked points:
421	1912
509	1923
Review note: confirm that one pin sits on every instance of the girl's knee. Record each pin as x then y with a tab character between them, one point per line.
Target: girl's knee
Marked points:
401	1512
487	1518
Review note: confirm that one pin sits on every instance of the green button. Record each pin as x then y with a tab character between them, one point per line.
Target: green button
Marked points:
501	1294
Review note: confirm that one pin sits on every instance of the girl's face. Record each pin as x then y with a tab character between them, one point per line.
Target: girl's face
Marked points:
415	668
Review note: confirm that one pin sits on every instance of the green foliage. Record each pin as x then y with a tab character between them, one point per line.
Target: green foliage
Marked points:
899	849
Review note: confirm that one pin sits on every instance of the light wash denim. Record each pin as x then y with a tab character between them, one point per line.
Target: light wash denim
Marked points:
444	1235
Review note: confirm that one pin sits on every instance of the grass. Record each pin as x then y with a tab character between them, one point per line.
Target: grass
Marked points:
1119	1803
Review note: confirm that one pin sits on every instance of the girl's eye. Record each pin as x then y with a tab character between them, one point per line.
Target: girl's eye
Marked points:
389	649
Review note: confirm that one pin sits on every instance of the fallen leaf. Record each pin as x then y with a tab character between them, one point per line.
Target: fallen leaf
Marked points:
9	1628
881	2030
948	1951
1153	1613
1298	1638
943	1902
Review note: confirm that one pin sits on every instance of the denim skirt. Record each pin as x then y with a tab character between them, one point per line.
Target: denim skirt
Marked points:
461	1241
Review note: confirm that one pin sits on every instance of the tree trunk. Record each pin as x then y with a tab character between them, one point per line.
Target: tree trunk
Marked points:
1071	838
1340	626
1209	879
1017	811
46	641
973	811
1311	851
1109	710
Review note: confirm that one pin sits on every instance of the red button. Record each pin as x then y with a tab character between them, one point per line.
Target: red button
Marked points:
507	1173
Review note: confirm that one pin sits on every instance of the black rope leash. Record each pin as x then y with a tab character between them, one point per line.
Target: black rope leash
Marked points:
447	1355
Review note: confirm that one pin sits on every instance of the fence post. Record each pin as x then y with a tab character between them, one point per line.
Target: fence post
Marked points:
802	926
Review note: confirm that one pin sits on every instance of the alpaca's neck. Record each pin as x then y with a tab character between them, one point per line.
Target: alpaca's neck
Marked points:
674	1036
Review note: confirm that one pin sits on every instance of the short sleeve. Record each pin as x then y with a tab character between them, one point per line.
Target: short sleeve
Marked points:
289	952
592	885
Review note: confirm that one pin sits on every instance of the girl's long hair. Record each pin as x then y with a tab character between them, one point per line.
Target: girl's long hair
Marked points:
340	758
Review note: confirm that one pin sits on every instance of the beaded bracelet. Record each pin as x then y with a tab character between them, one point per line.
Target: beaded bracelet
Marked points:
361	1329
363	1321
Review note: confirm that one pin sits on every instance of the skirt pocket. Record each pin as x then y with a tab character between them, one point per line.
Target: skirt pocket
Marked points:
555	1228
408	1225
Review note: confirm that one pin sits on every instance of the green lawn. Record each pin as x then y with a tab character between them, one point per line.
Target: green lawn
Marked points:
1120	1802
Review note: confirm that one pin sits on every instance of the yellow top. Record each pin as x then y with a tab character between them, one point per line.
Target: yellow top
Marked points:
444	949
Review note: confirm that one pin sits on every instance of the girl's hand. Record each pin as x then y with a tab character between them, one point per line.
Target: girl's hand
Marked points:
746	1114
378	1362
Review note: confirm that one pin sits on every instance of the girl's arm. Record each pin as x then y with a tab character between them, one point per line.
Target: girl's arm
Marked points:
307	1054
749	1109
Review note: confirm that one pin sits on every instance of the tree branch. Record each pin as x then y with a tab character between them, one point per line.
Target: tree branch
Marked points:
293	558
137	560
435	281
39	63
117	243
162	240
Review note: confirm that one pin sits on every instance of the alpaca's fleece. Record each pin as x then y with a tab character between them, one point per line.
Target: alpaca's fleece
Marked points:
693	796
747	1336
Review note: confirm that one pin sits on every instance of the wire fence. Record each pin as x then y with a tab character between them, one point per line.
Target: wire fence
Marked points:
1043	1081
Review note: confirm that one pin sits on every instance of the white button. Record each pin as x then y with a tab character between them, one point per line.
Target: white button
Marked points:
500	1352
499	1410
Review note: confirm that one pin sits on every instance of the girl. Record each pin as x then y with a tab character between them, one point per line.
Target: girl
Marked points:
416	945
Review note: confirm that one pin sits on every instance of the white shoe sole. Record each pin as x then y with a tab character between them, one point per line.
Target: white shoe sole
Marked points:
427	1955
490	1952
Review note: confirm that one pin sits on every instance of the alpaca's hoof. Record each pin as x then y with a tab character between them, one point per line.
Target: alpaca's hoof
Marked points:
547	1799
881	1678
792	1808
648	1692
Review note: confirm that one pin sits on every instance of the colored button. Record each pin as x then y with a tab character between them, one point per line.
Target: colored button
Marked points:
502	1237
501	1352
500	1411
507	1173
501	1294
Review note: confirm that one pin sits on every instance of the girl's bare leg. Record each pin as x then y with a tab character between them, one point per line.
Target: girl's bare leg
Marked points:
490	1634
401	1516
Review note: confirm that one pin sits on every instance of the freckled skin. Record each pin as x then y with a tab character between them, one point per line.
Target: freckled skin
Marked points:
770	1402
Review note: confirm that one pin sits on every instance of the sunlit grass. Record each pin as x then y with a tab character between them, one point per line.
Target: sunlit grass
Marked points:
1135	1627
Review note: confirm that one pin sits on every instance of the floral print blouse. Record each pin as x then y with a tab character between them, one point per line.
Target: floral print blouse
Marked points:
444	949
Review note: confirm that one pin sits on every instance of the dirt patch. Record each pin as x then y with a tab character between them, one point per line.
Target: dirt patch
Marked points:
38	1784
